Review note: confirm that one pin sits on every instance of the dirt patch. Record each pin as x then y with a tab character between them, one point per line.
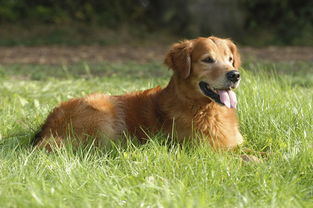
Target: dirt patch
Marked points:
69	55
279	53
94	54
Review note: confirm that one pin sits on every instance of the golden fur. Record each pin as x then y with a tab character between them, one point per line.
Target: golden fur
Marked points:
180	107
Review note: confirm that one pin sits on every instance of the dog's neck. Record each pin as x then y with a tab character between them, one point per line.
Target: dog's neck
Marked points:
174	99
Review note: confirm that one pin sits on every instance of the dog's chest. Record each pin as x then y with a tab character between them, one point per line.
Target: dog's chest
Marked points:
220	125
216	120
217	123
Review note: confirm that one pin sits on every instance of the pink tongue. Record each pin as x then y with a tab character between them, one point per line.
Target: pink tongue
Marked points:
228	97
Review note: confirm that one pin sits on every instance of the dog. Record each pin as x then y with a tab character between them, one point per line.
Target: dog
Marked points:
198	98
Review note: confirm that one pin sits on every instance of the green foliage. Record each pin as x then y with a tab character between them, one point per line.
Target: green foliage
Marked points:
268	22
109	13
280	21
275	111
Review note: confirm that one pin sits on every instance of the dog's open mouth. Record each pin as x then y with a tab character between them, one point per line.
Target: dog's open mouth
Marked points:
222	97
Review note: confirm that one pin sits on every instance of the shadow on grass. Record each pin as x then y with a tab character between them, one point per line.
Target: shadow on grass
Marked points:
21	142
125	149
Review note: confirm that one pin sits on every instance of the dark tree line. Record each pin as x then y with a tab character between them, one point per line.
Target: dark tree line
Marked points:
287	21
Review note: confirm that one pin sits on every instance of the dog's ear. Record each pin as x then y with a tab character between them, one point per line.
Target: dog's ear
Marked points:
235	52
178	58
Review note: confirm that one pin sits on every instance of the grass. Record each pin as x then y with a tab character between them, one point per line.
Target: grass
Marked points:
275	111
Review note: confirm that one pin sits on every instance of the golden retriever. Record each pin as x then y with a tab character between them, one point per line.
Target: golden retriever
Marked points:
198	98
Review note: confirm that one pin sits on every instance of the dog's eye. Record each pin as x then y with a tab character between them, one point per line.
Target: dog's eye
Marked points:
230	59
208	60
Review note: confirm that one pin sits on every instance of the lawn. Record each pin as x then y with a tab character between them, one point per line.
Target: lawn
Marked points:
275	112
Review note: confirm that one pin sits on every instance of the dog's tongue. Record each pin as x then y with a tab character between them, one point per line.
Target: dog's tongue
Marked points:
228	97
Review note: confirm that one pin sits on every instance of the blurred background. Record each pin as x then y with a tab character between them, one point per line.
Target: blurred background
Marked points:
154	24
251	22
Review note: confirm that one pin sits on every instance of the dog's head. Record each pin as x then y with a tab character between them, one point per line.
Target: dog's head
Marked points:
206	67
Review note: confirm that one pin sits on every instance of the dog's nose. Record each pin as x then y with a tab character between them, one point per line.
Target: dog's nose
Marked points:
233	75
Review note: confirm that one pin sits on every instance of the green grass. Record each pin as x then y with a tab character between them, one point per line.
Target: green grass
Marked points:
276	115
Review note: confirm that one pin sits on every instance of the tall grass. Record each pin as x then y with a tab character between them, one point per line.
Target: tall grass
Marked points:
275	112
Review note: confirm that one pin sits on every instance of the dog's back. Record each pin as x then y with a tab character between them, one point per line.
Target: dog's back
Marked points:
81	118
